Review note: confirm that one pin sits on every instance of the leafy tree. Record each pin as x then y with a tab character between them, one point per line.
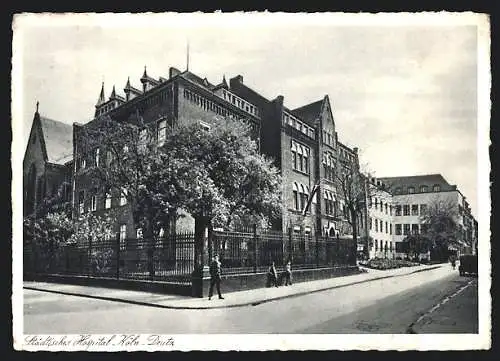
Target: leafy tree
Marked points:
415	244
440	225
216	175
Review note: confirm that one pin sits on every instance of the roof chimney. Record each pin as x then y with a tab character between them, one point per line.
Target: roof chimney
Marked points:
239	78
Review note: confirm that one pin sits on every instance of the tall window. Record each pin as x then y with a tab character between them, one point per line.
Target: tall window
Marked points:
107	204
390	210
397	229
123	236
109	158
423	189
123	197
406	229
370	219
390	228
303	197
386	208
295	196
83	162
93	203
161	134
406	210
96	155
300	157
414	229
386	228
423	209
376	225
414	209
376	203
81	202
398	210
306	160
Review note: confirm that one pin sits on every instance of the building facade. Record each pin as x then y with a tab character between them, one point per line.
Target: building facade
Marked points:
411	197
302	142
47	163
380	221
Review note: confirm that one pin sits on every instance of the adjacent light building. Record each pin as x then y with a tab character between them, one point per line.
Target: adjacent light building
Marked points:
411	195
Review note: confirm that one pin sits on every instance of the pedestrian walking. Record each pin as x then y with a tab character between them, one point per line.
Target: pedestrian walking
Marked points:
272	276
215	277
288	273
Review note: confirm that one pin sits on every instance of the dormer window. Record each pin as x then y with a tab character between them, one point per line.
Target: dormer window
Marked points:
423	189
411	190
436	188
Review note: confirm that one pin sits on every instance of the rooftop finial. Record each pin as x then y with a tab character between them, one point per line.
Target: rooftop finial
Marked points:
101	99
145	75
37	103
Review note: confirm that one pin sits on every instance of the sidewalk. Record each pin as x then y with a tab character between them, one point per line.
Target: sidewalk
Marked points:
233	299
457	313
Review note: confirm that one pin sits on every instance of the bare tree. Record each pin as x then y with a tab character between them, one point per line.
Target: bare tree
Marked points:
352	188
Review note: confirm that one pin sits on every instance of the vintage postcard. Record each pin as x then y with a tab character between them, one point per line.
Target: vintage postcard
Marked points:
251	181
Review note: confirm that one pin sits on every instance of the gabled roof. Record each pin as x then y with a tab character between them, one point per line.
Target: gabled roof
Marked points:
309	112
58	139
416	181
195	78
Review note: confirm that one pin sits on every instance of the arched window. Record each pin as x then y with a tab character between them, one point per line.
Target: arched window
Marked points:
306	160
300	152
295	196
303	196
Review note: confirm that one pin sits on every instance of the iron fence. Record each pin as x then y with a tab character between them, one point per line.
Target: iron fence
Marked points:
172	258
246	252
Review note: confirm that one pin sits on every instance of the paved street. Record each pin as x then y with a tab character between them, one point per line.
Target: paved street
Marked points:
389	305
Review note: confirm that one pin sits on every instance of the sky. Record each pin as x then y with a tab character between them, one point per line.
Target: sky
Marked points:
403	90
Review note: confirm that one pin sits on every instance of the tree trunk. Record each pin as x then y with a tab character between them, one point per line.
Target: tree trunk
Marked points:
149	237
200	225
355	234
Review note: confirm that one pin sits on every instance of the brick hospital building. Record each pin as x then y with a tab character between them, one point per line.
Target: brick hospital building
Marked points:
303	142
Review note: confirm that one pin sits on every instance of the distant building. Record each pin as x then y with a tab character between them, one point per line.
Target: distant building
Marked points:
411	195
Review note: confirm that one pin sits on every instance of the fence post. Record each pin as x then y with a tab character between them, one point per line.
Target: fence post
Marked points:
290	246
317	252
254	231
117	257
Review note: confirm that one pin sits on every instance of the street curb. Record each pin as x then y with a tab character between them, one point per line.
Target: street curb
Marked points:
253	303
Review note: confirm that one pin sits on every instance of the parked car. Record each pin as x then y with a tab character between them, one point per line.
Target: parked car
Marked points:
468	265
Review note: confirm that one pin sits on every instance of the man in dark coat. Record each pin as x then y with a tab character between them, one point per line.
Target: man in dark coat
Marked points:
272	276
215	277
